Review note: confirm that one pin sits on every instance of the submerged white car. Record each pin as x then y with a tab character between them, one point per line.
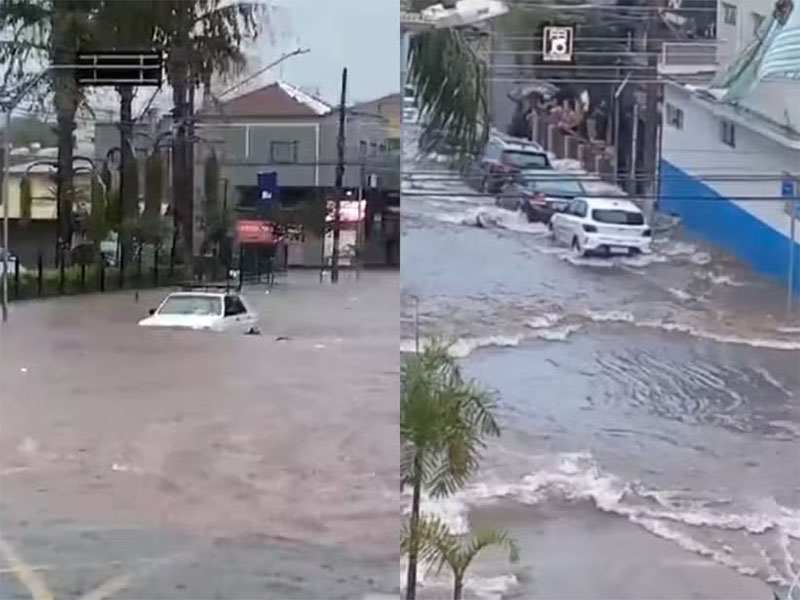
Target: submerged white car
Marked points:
602	225
204	310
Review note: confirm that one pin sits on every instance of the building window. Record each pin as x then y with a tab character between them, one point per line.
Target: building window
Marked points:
729	13
674	116
728	133
362	148
757	21
373	149
283	152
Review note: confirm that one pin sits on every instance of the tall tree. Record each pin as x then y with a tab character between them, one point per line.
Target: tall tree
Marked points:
200	38
444	423
50	31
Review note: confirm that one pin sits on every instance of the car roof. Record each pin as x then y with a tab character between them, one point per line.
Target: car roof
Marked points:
612	204
204	294
516	144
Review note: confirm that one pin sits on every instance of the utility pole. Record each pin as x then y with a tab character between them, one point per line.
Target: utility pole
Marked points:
339	183
652	123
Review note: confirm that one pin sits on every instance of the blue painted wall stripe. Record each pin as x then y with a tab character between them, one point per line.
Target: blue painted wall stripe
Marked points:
713	217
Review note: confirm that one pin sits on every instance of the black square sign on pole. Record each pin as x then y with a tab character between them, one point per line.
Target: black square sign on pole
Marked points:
119	68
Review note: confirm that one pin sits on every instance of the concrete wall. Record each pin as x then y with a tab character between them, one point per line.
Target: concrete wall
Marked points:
695	163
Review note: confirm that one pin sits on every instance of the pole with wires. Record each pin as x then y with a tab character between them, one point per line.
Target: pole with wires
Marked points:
339	183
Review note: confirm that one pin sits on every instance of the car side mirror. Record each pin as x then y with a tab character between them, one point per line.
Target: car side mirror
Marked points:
151	312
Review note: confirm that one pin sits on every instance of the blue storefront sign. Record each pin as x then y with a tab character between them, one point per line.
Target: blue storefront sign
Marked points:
268	190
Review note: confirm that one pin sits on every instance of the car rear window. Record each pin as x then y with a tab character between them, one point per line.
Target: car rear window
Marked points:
556	187
191	305
526	160
618	217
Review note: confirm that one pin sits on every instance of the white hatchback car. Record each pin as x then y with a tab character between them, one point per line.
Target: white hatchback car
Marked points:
602	225
204	310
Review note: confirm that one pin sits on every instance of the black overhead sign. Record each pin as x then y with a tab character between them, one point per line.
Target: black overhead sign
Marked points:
119	68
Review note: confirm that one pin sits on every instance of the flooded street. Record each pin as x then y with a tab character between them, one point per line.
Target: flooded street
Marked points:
650	404
180	464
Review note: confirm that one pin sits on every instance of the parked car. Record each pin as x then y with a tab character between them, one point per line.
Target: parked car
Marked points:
602	225
541	193
505	157
204	310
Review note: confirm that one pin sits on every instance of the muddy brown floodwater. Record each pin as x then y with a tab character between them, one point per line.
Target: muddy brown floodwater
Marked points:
207	465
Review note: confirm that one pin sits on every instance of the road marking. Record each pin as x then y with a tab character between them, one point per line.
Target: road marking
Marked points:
108	588
26	574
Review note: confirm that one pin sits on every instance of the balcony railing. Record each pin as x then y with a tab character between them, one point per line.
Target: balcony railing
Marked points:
686	58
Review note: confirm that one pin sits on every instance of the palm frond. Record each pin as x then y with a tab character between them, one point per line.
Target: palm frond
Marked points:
483	539
444	421
439	546
450	80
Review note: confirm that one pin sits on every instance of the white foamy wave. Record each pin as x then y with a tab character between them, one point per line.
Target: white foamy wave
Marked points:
686	542
576	477
682	295
619	316
463	347
491	588
719	279
544	320
556	334
587	261
701	258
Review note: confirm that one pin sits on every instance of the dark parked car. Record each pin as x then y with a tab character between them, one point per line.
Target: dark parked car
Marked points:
506	157
541	193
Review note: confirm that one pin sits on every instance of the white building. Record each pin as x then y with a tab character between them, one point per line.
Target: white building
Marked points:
731	147
737	24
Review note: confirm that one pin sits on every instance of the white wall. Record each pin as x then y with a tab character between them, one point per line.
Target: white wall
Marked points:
698	150
734	38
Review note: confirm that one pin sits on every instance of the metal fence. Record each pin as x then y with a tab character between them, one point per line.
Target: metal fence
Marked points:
147	270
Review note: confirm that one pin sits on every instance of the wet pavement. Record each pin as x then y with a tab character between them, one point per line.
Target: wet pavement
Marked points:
651	404
169	464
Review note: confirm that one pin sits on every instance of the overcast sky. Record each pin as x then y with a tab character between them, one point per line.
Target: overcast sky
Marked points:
363	35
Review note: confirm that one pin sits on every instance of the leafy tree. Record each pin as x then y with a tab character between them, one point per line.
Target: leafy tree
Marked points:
444	423
439	547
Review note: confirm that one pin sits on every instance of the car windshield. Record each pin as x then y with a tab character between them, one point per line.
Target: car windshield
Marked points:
191	305
555	186
526	160
618	217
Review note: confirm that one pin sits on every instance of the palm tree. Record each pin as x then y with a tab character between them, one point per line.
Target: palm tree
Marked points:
444	422
439	547
201	38
450	81
50	30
